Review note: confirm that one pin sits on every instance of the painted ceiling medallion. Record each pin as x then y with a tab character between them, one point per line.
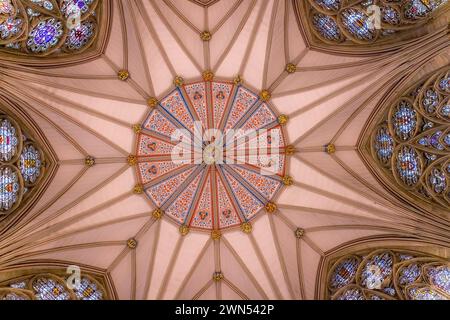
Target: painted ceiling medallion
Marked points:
204	177
47	27
388	275
412	140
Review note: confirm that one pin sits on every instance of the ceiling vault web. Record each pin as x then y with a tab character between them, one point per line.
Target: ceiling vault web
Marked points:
94	109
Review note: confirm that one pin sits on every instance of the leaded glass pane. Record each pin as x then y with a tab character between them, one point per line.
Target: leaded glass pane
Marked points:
30	163
9	140
50	289
9	188
44	27
389	274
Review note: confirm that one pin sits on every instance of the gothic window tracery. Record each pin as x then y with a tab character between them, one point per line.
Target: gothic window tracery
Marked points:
48	27
368	21
55	285
411	142
22	164
385	274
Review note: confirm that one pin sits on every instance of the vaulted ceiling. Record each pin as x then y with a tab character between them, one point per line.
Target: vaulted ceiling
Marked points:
91	107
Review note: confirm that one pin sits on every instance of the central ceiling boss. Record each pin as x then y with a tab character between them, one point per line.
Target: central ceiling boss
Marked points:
222	177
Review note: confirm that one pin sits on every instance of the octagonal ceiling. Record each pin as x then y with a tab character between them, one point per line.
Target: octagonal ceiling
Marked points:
95	212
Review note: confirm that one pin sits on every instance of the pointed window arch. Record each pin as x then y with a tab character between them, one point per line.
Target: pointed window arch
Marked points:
27	161
22	164
368	25
388	274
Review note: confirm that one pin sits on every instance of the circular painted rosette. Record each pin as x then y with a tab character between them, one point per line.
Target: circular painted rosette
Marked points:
195	170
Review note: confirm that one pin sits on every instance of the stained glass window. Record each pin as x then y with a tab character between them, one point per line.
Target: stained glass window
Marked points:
412	140
79	37
409	273
404	120
376	270
439	276
10	188
357	24
350	294
417	9
21	164
326	27
364	22
53	286
329	5
383	145
9	139
13	294
30	163
390	15
344	272
48	287
89	289
44	27
416	292
389	274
